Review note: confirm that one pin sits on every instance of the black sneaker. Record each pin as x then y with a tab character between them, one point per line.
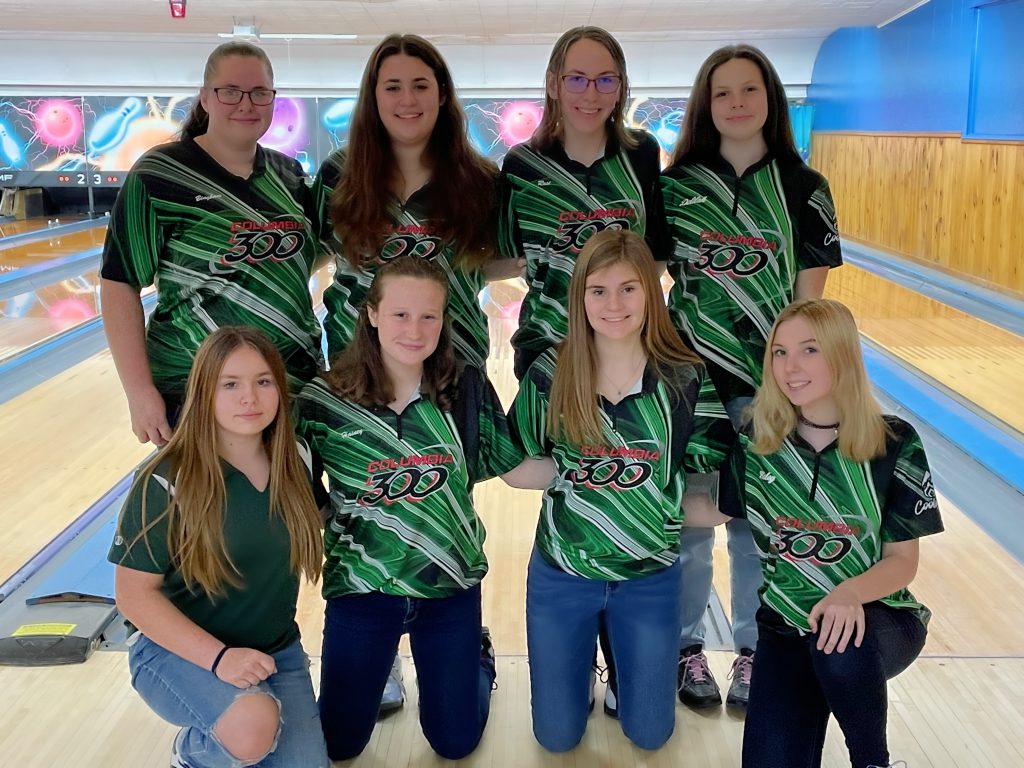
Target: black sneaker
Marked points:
696	684
487	658
739	690
611	700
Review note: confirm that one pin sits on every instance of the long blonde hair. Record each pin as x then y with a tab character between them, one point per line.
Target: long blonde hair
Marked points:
573	412
862	429
195	511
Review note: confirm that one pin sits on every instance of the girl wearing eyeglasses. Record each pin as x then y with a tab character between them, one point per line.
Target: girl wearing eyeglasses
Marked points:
582	171
753	228
221	226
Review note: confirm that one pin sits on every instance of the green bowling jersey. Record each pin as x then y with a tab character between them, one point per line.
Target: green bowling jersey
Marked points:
402	518
738	243
221	250
613	513
551	205
260	612
819	518
410	235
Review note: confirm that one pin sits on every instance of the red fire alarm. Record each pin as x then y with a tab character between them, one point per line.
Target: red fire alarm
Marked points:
177	9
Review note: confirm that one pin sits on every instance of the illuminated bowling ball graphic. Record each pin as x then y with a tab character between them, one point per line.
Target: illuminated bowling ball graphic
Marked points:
518	121
287	132
58	123
339	116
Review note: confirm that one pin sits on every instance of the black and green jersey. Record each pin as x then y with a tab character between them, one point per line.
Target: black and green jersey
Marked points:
221	250
550	207
819	518
738	243
613	512
410	235
402	519
260	613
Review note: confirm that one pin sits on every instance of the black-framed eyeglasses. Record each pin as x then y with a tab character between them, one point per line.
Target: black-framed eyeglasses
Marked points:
602	83
260	97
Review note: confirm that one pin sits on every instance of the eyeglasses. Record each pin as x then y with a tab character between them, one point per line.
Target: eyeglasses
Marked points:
260	97
603	83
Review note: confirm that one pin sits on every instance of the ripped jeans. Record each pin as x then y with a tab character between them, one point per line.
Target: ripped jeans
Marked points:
190	696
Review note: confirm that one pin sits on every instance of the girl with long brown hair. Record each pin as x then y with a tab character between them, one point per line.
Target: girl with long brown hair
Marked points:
614	407
404	435
217	529
753	227
409	183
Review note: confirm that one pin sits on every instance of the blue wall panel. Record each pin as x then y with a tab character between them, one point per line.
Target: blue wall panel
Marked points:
911	75
997	106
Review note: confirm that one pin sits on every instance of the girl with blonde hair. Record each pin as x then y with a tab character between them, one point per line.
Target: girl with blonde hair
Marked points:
614	407
837	496
217	529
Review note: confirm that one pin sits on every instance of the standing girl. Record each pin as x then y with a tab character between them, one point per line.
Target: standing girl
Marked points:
211	542
582	172
838	496
409	184
403	438
614	407
222	227
753	228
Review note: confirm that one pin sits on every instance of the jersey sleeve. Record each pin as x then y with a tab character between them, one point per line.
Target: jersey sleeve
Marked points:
712	436
486	437
732	492
326	179
147	553
819	232
656	233
135	238
529	414
911	509
510	239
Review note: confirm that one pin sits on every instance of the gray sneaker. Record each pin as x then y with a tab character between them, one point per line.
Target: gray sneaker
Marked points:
696	684
394	690
739	690
176	759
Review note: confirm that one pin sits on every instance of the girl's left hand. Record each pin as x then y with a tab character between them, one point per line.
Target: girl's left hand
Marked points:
836	617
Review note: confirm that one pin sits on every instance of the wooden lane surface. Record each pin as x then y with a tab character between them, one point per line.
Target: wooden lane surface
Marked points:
9	227
943	713
979	361
41	251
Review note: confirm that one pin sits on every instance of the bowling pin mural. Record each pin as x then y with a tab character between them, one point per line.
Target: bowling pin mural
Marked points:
111	128
9	148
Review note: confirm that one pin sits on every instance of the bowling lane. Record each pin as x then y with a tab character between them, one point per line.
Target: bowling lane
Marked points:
977	360
40	251
9	227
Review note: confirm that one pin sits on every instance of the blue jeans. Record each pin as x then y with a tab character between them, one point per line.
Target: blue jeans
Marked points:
192	697
361	634
642	619
695	557
794	687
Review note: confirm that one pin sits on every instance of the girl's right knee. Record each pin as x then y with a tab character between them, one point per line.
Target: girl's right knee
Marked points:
558	739
249	728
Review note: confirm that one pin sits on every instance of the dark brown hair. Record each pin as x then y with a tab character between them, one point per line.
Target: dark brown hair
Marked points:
358	372
464	204
699	140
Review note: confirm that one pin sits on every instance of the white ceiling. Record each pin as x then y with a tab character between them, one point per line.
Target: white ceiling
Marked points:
450	21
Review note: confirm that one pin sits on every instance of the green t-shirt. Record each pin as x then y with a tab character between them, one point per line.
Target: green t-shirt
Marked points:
221	250
260	613
819	518
402	518
551	205
737	246
410	235
613	512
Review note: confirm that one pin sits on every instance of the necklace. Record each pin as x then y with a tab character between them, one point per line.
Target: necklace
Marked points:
630	381
809	423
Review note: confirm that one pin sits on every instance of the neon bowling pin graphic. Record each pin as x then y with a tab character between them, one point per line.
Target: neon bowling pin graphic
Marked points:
9	146
110	129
